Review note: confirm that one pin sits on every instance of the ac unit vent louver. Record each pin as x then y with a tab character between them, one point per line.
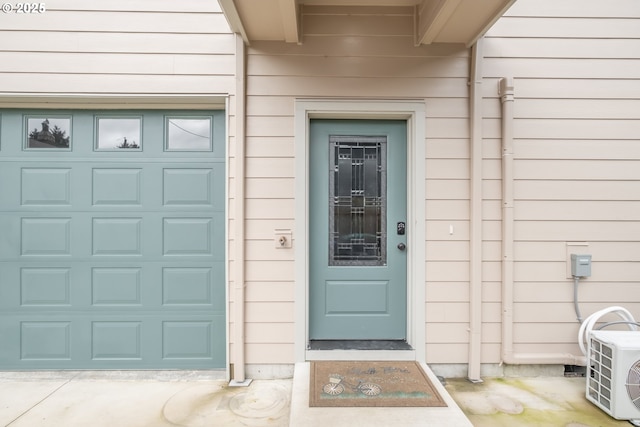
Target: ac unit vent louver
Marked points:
613	381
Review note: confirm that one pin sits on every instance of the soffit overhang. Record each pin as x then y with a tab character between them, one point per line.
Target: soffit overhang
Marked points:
435	21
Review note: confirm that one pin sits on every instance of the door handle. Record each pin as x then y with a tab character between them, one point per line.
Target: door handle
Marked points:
402	246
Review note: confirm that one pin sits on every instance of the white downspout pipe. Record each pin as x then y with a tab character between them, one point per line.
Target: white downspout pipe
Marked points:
509	356
239	376
475	283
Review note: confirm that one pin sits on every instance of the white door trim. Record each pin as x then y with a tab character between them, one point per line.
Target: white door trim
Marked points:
413	111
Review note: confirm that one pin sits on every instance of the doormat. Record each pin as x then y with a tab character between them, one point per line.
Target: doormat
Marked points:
366	383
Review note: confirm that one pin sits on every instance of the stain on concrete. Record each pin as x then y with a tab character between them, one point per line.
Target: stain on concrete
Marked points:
262	404
520	402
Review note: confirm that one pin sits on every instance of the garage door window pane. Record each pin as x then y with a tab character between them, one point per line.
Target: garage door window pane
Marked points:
188	133
47	132
118	133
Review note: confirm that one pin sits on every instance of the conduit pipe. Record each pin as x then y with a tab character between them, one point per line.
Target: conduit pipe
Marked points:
475	284
509	356
238	375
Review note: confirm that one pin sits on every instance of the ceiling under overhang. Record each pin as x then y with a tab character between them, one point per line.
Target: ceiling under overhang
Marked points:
435	21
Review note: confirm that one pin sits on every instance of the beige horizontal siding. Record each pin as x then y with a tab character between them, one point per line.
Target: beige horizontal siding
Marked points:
276	188
566	27
549	271
448	333
577	129
586	68
268	312
269	333
590	291
563	48
577	210
29	83
587	8
271	126
575	70
491	252
447	168
269	209
271	270
273	167
579	149
102	21
263	228
113	63
591	169
563	88
269	291
447	148
307	86
361	67
193	6
447	210
270	353
127	42
492	291
447	353
589	109
552	332
443	271
577	231
440	230
275	146
123	47
446	292
272	105
447	189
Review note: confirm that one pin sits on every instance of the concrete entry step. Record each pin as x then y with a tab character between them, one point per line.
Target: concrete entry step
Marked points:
302	415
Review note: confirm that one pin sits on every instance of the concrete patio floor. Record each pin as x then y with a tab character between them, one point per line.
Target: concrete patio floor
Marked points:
529	401
195	399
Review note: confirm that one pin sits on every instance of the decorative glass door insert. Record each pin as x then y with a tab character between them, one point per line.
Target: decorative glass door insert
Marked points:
357	201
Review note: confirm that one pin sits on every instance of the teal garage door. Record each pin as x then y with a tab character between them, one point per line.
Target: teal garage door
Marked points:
112	239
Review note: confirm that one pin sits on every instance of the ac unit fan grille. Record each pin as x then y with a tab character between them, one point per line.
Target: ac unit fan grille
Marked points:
633	384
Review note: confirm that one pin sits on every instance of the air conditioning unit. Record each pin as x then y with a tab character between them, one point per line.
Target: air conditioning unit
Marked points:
613	373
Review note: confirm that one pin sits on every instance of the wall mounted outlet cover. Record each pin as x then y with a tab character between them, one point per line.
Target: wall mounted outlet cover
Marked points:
283	238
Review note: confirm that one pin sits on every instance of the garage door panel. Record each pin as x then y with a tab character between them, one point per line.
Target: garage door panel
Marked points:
117	236
103	236
188	187
45	237
126	342
116	340
45	340
65	287
111	259
108	186
116	286
116	187
45	286
45	186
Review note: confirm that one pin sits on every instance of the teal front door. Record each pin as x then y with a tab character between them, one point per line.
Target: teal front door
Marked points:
358	235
